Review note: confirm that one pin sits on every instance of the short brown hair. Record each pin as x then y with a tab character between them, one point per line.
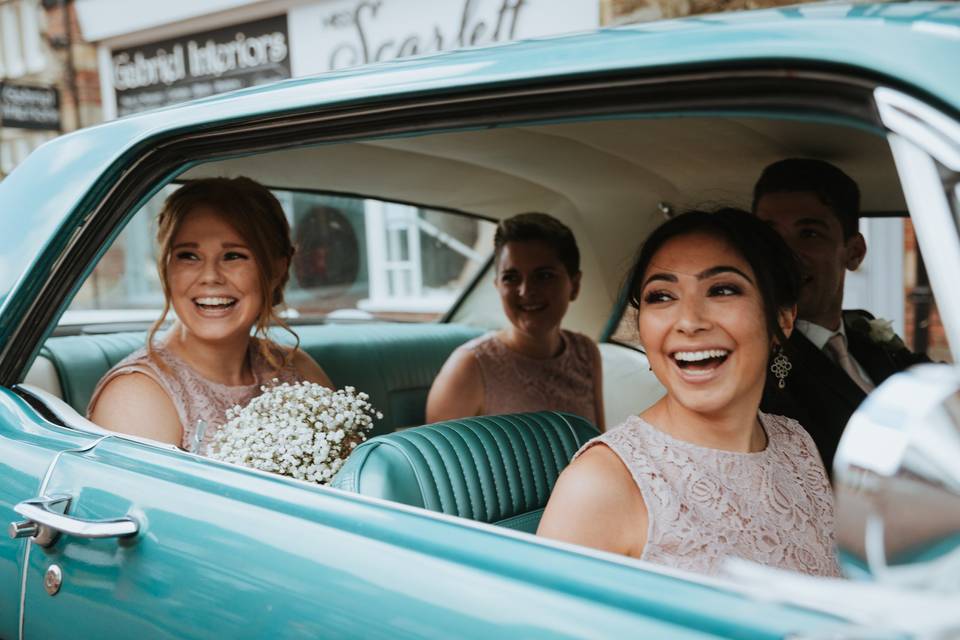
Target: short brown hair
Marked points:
257	216
828	183
539	227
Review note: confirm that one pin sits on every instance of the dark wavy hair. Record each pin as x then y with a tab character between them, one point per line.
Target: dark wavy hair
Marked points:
774	265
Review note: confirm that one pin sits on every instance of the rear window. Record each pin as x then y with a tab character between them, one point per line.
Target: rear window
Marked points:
356	259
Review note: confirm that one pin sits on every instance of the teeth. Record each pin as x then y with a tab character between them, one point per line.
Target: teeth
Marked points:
697	356
214	302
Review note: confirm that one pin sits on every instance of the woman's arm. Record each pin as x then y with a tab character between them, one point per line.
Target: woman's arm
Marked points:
596	503
308	369
134	404
457	391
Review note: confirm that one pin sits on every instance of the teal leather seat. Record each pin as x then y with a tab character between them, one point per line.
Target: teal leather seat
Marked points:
495	469
394	363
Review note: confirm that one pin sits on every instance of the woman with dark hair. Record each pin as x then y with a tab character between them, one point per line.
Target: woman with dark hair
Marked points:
224	259
702	474
532	364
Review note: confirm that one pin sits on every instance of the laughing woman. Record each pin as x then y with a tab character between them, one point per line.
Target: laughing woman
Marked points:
225	251
703	475
532	364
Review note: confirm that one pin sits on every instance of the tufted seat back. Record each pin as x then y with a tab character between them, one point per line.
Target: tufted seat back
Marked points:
495	469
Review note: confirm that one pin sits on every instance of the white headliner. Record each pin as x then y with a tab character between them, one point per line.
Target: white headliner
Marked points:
603	178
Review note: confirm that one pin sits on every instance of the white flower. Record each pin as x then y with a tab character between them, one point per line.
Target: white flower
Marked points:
881	330
301	430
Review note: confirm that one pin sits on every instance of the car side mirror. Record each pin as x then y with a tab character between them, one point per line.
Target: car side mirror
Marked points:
897	482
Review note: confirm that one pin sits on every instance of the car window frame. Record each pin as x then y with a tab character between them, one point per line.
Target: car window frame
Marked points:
162	158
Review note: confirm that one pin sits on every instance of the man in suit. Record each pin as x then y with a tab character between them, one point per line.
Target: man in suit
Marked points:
837	356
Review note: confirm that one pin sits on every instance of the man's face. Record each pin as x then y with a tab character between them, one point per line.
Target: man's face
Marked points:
814	233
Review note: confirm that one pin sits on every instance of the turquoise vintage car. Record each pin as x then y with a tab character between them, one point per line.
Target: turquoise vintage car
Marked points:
425	534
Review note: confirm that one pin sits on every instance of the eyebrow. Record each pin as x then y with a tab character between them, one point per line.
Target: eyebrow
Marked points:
548	267
225	245
703	275
817	222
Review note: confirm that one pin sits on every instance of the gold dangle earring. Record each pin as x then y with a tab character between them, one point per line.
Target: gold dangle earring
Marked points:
780	367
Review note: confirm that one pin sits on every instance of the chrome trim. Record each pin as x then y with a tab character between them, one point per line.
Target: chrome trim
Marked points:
27	547
25	529
38	510
934	132
935	228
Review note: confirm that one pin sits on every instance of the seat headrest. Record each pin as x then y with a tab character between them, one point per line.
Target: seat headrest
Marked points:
495	469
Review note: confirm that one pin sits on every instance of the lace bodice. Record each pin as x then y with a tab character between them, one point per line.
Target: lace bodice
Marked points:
774	506
515	383
195	397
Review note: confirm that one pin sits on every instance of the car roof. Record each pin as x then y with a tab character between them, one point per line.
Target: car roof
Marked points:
912	45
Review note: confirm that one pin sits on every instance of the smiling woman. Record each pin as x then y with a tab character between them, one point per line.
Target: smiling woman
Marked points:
702	475
531	364
224	258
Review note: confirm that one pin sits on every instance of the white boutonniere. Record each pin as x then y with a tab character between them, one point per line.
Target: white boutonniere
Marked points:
881	330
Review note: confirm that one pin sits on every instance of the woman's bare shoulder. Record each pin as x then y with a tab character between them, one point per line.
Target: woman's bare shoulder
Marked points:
596	503
457	391
136	404
309	369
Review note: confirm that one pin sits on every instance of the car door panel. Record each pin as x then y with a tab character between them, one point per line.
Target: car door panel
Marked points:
28	450
229	552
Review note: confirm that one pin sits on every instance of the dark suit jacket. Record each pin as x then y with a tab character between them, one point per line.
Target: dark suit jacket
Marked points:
819	394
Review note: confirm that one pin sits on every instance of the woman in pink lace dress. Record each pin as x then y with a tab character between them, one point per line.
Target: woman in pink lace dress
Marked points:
532	364
702	475
225	251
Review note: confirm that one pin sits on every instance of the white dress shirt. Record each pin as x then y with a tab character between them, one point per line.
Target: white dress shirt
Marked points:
819	336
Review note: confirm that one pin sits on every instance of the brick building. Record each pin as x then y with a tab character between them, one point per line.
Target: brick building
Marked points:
49	82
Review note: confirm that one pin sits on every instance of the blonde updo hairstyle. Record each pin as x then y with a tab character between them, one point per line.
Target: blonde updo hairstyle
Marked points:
256	214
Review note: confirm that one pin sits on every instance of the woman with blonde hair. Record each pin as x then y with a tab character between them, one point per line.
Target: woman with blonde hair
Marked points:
225	251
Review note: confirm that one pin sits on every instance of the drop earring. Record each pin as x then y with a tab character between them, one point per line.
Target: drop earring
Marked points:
780	367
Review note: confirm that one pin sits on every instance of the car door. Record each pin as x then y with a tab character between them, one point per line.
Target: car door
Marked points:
222	551
27	454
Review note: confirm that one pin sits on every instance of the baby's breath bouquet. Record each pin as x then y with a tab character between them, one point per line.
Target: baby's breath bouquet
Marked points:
302	430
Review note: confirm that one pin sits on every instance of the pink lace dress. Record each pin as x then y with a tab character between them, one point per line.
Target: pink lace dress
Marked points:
195	397
515	383
774	506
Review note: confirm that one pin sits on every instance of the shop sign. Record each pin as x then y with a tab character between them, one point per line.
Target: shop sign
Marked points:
201	64
29	107
344	33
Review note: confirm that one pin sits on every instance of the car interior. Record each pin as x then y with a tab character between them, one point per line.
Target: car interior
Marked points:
610	180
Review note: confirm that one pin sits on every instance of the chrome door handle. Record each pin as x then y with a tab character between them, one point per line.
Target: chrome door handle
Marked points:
49	522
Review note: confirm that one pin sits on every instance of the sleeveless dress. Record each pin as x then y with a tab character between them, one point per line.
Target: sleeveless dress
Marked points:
774	507
195	397
515	383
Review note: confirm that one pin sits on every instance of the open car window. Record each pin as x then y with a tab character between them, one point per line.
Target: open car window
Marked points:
357	259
